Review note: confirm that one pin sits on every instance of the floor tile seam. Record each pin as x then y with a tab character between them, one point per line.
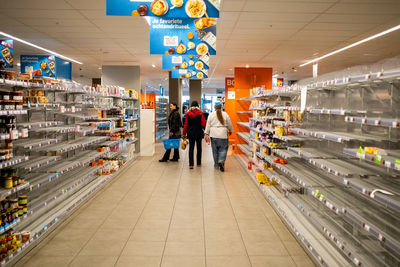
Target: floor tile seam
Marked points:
141	213
241	235
265	216
97	228
204	221
173	209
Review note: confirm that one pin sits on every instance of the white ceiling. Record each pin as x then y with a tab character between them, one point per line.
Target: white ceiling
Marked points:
281	34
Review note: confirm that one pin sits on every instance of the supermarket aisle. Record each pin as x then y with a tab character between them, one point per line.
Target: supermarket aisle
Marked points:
163	214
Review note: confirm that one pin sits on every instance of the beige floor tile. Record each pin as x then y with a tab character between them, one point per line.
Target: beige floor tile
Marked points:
183	261
98	261
251	224
84	223
243	213
184	249
96	248
271	261
225	235
261	235
185	235
61	248
111	235
186	223
71	234
48	261
303	261
226	248
284	233
228	261
294	248
221	223
133	248
138	261
127	223
149	234
148	223
275	248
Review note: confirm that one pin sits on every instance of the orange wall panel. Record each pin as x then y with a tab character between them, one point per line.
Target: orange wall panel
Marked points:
245	80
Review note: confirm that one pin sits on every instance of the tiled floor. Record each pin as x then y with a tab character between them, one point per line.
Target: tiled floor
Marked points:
163	214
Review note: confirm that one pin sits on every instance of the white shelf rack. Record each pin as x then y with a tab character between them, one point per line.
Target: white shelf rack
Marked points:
13	112
378	122
38	162
35	143
244	124
245	136
75	144
387	161
43	124
14	161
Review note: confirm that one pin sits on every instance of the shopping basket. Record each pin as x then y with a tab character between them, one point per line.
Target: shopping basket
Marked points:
172	143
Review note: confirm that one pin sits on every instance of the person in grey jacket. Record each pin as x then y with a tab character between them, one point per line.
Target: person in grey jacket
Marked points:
219	127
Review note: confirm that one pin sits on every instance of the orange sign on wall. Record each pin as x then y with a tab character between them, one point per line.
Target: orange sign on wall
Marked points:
239	87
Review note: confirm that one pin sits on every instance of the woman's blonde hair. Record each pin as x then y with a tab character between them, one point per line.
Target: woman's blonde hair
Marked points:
220	117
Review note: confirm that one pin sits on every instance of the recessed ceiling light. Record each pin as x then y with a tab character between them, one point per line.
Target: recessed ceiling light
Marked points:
353	45
40	48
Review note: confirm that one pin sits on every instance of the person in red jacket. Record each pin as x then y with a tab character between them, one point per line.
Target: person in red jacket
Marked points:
194	131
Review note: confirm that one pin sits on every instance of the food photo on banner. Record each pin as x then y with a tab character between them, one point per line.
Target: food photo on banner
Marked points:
183	36
7	53
186	66
165	8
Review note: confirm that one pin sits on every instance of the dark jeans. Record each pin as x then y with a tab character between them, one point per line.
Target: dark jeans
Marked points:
192	143
220	149
168	153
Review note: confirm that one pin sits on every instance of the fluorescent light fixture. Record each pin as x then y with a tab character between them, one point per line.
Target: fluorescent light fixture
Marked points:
353	45
148	19
40	48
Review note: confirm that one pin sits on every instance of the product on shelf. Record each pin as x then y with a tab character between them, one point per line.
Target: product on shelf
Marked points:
10	178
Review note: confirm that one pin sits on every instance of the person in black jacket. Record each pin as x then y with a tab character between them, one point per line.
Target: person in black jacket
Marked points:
194	130
175	125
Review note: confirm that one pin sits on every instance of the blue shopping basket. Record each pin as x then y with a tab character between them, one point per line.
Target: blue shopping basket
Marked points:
172	143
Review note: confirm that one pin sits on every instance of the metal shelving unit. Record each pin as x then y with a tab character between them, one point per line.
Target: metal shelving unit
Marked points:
61	147
341	192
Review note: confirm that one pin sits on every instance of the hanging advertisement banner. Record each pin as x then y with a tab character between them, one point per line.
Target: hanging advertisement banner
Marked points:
186	62
189	74
46	66
165	8
183	37
7	53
